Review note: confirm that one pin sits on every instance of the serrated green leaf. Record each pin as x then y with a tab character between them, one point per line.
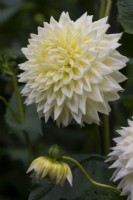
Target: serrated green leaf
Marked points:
31	124
125	10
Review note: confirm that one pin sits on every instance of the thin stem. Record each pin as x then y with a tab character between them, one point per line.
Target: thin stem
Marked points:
18	98
106	134
98	142
29	146
107	11
87	175
108	8
10	108
22	116
102	9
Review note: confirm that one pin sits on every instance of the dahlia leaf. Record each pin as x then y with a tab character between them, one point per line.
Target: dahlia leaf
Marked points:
31	123
125	9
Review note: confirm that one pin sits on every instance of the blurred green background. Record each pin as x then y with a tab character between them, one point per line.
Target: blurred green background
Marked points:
19	18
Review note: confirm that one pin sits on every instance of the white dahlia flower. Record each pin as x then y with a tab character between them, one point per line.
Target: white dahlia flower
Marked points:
123	155
72	70
53	170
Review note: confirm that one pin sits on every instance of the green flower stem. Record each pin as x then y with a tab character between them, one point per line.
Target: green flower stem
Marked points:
18	98
22	115
105	11
102	9
108	8
10	108
88	177
106	134
29	146
98	142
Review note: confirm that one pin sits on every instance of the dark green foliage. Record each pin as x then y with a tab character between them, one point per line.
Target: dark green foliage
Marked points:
31	123
125	9
81	189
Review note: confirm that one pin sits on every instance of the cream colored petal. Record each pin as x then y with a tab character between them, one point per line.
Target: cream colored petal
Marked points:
57	111
66	62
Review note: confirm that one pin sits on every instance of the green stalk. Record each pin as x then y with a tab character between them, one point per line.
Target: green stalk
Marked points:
102	9
88	177
106	134
18	99
22	115
108	8
98	142
105	11
10	108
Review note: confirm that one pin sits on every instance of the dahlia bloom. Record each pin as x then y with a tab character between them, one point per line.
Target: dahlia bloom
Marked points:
72	71
123	155
55	171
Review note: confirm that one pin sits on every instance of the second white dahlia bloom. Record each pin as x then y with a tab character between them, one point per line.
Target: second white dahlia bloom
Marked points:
123	155
72	70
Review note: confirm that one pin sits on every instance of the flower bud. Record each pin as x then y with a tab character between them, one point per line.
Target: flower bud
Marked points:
55	153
